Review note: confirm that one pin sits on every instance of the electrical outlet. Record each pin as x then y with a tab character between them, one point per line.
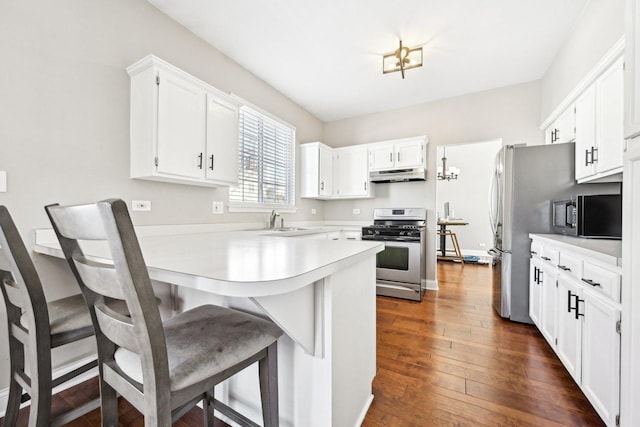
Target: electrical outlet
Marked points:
356	211
3	181
218	207
313	211
141	205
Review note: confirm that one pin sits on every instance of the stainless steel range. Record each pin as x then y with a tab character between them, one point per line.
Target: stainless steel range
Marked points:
401	267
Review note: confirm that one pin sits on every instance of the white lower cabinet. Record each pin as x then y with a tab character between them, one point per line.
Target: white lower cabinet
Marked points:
601	355
576	306
568	342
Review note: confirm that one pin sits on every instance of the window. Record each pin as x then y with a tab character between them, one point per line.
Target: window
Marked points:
266	175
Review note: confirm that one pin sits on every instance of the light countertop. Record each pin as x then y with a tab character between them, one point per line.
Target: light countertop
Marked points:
606	250
239	263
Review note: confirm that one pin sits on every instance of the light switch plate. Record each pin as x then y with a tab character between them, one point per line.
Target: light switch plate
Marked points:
3	181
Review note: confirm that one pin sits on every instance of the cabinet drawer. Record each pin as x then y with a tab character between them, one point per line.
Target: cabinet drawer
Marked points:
536	248
602	280
571	264
550	255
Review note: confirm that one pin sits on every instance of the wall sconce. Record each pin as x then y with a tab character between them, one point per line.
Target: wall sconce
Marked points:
445	173
402	59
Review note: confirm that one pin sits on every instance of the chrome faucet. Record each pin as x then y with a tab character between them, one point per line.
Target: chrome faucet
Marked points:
272	218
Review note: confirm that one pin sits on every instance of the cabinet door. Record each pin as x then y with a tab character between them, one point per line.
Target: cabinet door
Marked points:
548	304
326	172
566	126
569	329
535	286
352	172
609	118
181	127
632	70
381	156
409	154
222	141
585	133
601	356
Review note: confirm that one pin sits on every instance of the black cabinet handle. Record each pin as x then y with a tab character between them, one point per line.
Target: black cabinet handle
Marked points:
534	253
594	156
587	162
562	267
591	282
211	158
546	258
200	161
578	301
540	276
569	296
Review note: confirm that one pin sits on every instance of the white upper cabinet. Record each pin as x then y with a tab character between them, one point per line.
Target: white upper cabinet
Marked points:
222	131
563	129
181	126
632	70
316	170
352	172
599	131
398	154
182	130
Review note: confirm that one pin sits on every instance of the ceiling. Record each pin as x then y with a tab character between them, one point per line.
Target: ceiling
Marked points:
326	55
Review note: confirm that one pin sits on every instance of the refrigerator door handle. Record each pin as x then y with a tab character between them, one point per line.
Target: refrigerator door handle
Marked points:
493	205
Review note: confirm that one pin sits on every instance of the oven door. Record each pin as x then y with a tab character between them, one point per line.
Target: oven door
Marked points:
399	262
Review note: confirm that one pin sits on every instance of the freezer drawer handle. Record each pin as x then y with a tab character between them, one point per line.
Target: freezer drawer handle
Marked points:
591	282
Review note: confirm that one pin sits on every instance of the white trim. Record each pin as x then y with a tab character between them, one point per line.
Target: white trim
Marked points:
364	411
4	393
605	62
431	285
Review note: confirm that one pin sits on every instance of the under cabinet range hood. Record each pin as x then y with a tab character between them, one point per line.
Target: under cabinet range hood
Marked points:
398	175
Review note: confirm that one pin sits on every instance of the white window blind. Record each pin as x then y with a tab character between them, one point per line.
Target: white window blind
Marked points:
266	175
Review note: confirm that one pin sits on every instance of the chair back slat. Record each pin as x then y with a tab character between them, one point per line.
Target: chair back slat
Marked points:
14	293
99	277
81	222
117	327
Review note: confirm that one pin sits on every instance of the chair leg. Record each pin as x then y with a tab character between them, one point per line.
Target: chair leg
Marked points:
207	408
13	403
268	371
108	404
40	375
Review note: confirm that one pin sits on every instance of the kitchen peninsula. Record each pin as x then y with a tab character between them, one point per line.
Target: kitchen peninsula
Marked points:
320	292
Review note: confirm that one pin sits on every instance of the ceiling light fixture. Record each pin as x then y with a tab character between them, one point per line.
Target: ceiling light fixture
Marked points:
403	58
444	173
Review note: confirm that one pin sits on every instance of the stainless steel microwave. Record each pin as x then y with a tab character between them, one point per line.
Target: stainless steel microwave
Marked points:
593	216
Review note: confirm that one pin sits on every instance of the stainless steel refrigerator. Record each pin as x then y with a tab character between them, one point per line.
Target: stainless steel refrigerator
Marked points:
526	180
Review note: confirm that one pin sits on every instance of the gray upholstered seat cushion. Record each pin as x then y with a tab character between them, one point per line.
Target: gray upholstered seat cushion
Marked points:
204	341
66	315
71	314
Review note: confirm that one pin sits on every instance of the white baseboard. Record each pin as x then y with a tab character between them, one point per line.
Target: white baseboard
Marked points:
4	393
431	285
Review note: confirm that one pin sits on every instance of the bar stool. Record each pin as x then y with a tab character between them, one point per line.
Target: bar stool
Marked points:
456	246
35	327
163	369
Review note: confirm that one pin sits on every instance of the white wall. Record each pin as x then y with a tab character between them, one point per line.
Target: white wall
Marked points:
64	117
598	28
510	113
468	196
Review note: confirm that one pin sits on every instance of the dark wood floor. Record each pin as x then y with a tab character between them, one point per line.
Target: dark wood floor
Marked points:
447	361
451	361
